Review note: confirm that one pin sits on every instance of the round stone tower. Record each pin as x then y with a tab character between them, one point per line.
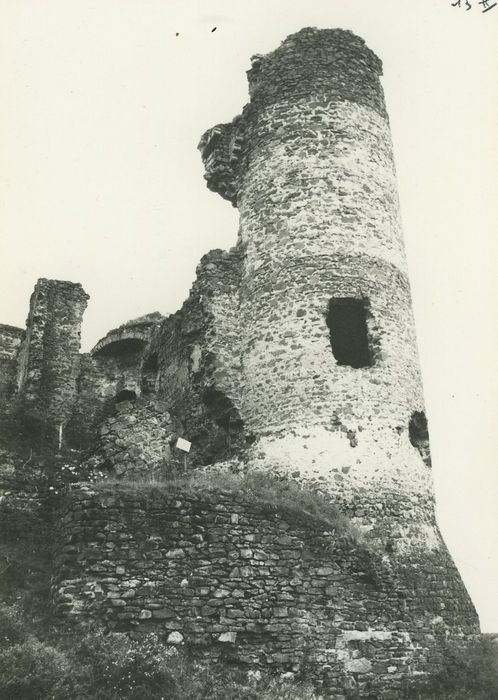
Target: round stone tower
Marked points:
330	379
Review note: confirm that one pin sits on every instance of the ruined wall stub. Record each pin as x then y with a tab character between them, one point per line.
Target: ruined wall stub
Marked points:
199	360
48	358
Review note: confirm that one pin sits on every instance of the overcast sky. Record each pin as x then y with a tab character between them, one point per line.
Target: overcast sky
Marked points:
103	104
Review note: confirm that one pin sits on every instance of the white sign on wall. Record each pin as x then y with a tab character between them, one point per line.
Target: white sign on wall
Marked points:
184	445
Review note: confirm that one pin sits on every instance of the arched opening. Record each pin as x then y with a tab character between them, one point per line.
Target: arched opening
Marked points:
223	432
119	348
221	409
125	395
150	370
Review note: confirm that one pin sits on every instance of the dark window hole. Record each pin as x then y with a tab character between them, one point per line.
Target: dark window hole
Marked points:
125	395
418	432
150	370
347	322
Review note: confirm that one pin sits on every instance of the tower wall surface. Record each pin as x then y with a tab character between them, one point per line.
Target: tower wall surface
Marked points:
312	174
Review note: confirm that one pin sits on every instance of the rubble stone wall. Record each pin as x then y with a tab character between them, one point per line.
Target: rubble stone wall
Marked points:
200	363
235	579
136	441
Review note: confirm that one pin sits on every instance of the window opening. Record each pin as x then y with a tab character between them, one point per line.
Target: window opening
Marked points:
347	322
149	375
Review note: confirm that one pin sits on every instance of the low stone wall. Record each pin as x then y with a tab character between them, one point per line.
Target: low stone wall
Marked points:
232	579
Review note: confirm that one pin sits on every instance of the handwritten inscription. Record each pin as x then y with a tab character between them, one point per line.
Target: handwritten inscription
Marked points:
486	5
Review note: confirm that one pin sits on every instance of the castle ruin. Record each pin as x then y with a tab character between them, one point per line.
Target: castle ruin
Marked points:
295	355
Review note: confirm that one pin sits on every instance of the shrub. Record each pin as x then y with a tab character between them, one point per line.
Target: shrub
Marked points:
13	629
97	666
25	551
113	666
474	669
469	673
205	681
33	670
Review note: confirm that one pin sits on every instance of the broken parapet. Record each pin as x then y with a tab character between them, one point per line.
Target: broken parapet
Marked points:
48	359
221	149
326	65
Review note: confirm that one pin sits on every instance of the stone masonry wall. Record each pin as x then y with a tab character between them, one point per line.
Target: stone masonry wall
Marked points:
114	365
235	579
100	380
199	360
95	391
48	360
137	441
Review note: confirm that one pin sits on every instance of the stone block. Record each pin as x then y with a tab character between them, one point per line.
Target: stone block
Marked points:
175	638
228	637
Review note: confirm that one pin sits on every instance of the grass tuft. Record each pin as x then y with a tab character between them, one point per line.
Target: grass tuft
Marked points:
274	495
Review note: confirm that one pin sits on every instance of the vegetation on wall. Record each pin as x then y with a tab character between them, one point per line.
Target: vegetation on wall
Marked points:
87	664
468	673
39	659
273	494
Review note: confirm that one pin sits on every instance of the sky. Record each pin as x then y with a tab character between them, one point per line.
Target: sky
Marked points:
103	105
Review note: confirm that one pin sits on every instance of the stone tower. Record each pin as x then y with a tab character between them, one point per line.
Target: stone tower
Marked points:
331	384
331	380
